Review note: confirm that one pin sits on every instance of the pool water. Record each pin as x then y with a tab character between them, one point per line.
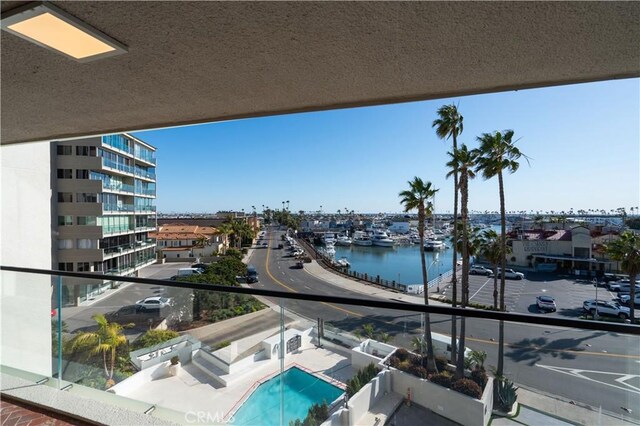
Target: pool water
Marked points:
301	391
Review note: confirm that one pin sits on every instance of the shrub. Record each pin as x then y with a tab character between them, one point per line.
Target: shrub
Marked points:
442	379
154	337
418	371
394	361
402	354
441	363
507	395
316	415
175	360
361	378
467	387
480	377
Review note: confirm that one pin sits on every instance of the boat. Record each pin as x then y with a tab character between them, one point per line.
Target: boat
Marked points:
380	238
361	238
330	250
328	238
343	262
343	240
434	245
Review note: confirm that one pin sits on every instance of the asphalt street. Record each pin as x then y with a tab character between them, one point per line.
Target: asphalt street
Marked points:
598	369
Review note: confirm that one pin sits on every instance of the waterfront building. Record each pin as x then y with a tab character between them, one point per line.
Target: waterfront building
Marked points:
182	242
103	209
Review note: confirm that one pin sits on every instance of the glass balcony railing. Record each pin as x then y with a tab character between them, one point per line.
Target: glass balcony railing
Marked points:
117	207
145	155
269	355
117	166
144	173
140	208
116	229
116	186
118	142
119	249
145	191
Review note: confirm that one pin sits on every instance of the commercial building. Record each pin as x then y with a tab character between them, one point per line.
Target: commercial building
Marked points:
185	242
104	208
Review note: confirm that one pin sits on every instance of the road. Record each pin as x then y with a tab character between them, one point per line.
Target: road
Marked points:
594	368
598	369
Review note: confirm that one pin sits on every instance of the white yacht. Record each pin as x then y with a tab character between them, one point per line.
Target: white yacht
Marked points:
433	245
343	240
380	238
329	238
361	238
343	262
330	250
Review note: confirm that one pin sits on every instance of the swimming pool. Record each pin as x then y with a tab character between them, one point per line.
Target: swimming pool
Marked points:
301	390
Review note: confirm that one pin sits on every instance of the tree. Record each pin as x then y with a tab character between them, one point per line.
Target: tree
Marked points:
449	124
491	249
462	162
417	197
106	341
497	153
154	337
626	250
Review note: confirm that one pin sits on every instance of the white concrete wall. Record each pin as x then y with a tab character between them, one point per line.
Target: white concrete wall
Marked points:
339	418
141	378
25	241
443	401
368	396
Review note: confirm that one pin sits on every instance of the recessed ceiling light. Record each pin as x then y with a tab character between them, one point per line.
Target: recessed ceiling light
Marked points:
51	27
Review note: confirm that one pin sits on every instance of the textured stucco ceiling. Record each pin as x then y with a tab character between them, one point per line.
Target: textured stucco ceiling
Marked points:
192	62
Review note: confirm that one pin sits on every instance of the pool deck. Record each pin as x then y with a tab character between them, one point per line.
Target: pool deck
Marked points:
191	390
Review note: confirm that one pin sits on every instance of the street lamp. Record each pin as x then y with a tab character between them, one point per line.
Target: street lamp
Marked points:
435	260
593	261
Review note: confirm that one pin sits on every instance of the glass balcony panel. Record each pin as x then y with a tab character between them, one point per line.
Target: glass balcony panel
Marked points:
234	349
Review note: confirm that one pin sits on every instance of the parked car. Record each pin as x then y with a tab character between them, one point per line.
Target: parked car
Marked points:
511	274
200	266
154	302
626	288
479	270
613	309
625	298
546	303
299	265
617	285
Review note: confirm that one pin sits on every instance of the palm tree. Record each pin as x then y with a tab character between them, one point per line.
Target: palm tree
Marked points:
462	163
417	197
225	229
106	340
449	125
497	153
491	250
626	250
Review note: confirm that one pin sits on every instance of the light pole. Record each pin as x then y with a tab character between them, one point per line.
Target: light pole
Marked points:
435	260
593	261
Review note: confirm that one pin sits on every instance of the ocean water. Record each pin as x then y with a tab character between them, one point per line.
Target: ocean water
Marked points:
399	263
301	391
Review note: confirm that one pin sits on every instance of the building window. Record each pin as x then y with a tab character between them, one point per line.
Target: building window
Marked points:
82	174
86	197
64	150
86	151
86	220
65	174
83	267
86	243
67	266
65	220
65	197
65	244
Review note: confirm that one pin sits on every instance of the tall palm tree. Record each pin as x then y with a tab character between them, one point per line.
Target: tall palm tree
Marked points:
106	341
449	124
497	153
626	250
225	229
417	197
491	249
462	162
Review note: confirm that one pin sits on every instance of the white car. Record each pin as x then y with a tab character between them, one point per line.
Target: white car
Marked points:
625	298
480	270
613	309
511	274
154	302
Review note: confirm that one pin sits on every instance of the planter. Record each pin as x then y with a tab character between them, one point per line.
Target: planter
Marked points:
500	413
173	369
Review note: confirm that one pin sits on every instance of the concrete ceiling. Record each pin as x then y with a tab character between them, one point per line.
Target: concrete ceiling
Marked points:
192	62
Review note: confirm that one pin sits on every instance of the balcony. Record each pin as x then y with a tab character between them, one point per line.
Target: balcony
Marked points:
117	187
145	209
324	340
117	208
145	174
113	165
111	252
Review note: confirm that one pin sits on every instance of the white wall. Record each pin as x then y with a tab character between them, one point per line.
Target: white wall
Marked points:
25	241
368	396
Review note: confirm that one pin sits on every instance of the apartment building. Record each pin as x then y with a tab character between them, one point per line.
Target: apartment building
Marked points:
104	209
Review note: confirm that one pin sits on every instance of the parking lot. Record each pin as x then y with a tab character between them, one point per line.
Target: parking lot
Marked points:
520	295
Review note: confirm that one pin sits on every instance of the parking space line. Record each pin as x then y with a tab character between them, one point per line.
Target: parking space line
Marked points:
481	287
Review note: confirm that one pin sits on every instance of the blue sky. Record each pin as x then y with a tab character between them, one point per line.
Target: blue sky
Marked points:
583	142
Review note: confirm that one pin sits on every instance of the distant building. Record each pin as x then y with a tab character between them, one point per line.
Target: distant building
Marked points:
400	227
104	208
182	241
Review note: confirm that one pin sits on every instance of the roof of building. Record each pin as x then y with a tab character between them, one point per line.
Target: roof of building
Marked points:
179	231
